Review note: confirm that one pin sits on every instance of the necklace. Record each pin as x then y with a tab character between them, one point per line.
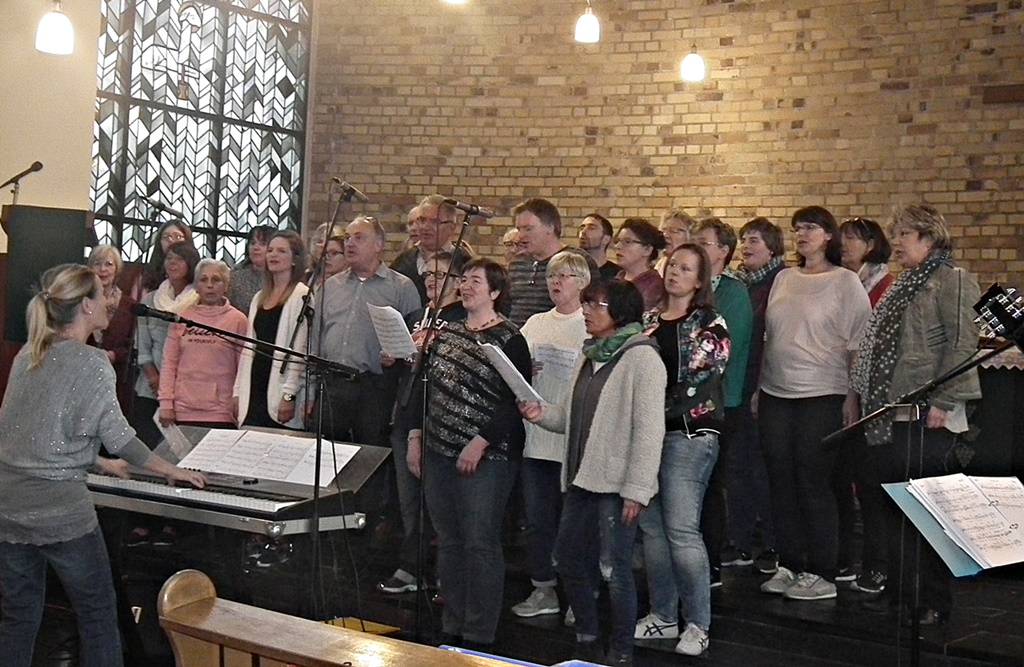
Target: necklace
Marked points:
481	327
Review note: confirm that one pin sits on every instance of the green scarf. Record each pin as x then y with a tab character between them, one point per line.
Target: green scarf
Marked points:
603	349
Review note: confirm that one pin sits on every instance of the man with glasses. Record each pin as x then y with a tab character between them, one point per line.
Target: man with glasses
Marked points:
732	301
433	226
596	238
540	226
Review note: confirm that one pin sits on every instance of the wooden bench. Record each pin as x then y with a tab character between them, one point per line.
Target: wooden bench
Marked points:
206	631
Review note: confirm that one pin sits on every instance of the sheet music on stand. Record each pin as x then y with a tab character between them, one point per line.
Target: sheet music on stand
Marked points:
974	523
272	456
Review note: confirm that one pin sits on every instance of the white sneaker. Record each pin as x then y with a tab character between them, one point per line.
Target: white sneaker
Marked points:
541	601
810	587
652	627
693	642
780	581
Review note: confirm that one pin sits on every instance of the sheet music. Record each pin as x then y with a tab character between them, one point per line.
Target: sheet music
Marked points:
176	440
970	519
270	456
1006	494
392	333
509	373
307	466
559	362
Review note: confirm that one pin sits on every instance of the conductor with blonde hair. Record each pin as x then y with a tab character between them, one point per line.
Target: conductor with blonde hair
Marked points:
60	406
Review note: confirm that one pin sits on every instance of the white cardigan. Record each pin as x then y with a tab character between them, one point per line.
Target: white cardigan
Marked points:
291	381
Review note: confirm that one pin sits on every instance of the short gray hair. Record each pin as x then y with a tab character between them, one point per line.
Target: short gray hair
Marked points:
575	262
222	269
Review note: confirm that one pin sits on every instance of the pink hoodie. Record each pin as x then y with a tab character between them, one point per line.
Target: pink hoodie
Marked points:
198	371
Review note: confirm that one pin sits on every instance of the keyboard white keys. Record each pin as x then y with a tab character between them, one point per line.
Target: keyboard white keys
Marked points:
218	498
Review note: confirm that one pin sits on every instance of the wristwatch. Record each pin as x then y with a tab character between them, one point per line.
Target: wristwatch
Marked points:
288	398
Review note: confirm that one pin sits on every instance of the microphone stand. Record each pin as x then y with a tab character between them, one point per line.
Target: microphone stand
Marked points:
418	374
308	314
912	399
321	367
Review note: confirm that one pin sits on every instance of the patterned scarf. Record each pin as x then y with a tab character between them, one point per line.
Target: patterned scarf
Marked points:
757	275
876	360
603	349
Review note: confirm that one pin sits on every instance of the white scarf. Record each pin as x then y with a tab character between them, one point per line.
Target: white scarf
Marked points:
164	299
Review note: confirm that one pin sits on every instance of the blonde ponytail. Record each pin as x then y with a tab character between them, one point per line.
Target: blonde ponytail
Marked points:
55	306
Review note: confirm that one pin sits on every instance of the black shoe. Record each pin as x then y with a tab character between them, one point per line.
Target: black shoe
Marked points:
767	562
928	618
716	577
137	537
165	538
617	658
882	604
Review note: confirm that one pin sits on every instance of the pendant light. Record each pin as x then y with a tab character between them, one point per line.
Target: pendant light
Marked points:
588	28
55	33
692	68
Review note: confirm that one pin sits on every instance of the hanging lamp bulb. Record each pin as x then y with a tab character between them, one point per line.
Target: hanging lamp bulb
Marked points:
588	28
55	33
692	68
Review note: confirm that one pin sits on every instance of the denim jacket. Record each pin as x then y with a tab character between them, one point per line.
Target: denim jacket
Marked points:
938	333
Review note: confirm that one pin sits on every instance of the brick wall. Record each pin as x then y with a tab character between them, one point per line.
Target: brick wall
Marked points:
855	105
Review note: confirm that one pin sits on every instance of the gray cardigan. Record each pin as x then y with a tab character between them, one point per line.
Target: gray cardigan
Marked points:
939	332
622	452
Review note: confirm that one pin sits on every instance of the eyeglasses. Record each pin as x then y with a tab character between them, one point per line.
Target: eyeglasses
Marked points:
514	244
173	236
334	253
590	305
711	244
109	263
437	275
805	227
628	242
433	221
561	277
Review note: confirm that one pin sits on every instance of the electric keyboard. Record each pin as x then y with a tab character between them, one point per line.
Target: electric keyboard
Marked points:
251	505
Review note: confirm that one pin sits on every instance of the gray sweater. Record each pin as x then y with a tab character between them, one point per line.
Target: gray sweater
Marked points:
53	420
621	425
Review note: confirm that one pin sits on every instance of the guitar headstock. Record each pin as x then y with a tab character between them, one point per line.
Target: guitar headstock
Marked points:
1000	312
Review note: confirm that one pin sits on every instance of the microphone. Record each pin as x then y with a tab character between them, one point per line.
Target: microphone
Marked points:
160	206
470	209
142	310
36	166
350	191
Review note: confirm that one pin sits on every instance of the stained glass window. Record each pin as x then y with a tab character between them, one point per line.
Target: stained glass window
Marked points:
201	105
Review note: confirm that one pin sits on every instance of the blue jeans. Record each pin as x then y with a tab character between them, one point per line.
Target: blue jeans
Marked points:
409	506
592	525
674	553
467	511
84	570
542	497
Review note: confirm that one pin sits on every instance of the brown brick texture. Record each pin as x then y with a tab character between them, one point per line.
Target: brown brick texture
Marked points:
854	105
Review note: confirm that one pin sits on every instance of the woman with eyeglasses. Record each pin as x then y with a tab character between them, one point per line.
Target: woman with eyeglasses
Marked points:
334	260
247	276
614	425
469	451
174	295
167	234
404	580
636	248
923	327
116	338
814	320
694	345
555	336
